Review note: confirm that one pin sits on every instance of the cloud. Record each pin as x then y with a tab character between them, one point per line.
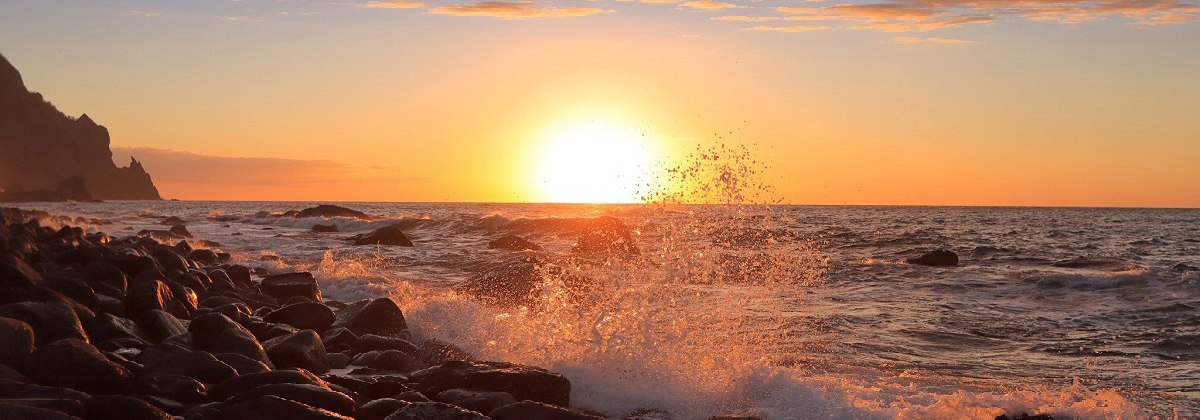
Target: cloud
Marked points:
393	4
181	174
915	40
144	13
513	10
928	15
789	28
745	18
239	19
707	5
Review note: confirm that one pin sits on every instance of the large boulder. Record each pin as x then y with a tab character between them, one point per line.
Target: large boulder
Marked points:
434	411
122	407
158	325
26	412
74	363
207	328
390	235
480	401
154	294
516	282
938	258
284	286
51	321
522	382
243	383
14	272
270	407
605	234
311	395
241	342
110	327
17	338
199	365
376	316
328	211
529	410
303	315
302	349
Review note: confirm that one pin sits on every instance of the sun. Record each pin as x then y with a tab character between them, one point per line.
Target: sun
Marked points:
594	162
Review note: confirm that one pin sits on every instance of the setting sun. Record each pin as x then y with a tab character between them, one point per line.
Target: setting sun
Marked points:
593	162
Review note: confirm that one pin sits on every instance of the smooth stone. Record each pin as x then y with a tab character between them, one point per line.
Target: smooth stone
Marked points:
242	342
270	407
242	364
434	411
123	407
108	274
70	407
378	409
200	365
74	363
390	235
207	328
284	286
21	412
303	315
302	349
529	410
158	325
153	294
14	389
329	210
513	243
243	383
479	401
311	395
522	382
17	338
51	321
376	316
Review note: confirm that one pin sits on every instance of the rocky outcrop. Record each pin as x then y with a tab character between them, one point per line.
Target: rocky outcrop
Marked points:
938	258
47	156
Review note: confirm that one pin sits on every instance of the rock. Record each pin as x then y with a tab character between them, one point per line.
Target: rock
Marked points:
158	325
434	411
391	235
377	316
152	295
1024	417
284	286
370	342
74	288
8	373
174	387
383	389
109	274
338	360
938	258
302	349
1183	268
396	360
121	407
17	338
51	321
109	327
240	275
73	408
378	409
14	272
522	382
206	256
242	364
605	234
270	407
515	282
513	243
199	365
169	259
207	328
74	363
479	401
529	410
172	221
24	412
735	417
18	390
324	228
243	383
311	395
328	211
437	352
181	230
304	315
242	342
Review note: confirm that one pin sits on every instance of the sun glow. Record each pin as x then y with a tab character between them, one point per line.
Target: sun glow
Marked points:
594	162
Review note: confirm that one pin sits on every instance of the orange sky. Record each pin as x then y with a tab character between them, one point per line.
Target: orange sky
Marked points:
356	103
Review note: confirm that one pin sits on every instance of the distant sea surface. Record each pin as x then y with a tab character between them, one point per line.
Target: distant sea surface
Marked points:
789	312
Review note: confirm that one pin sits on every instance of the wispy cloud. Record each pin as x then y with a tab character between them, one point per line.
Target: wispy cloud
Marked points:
707	5
513	10
916	40
239	19
144	13
393	4
746	18
800	28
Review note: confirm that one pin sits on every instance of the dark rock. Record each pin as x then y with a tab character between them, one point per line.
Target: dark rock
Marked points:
199	365
270	407
242	364
378	409
243	383
516	282
529	410
302	349
522	382
434	411
175	387
108	327
735	417
370	342
324	228
17	341
181	230
73	408
328	211
437	352
158	325
8	373
51	321
154	294
109	274
605	234
207	328
311	395
14	389
513	243
412	397
338	360
206	256
479	401
390	235
305	316
1181	267
121	407
172	221
74	363
76	289
383	389
938	258
14	272
24	412
242	342
377	316
284	286
339	339
240	275
396	360
43	294
169	259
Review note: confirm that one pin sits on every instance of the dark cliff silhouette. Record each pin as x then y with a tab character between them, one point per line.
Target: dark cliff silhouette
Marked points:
46	155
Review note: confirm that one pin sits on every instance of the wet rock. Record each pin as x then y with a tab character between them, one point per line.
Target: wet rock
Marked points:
23	412
383	389
158	325
122	407
74	363
328	211
109	274
242	364
324	228
479	401
302	349
605	234
174	387
513	243
938	258
370	342
109	327
311	395
243	383
529	410
8	373
205	256
16	390
1181	267
152	295
376	316
284	286
396	360
43	294
434	411
378	409
16	341
242	342
515	282
14	272
270	407
181	230
390	235
338	360
522	382
73	408
240	275
304	315
207	328
51	321
437	352
735	417
199	365
172	221
169	259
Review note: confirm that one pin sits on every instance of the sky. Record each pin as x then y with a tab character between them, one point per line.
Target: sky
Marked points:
913	102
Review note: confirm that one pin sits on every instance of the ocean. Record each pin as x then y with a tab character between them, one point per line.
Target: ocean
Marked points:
788	312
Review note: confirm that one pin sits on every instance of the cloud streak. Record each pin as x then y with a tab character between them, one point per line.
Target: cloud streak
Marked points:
513	10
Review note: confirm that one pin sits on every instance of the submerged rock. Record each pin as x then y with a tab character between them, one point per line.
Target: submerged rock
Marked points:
324	228
390	235
513	243
605	234
329	210
938	258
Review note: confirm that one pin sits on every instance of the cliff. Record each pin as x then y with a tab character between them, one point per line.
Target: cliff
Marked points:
44	153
